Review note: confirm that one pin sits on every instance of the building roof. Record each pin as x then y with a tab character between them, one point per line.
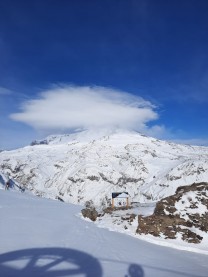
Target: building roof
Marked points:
120	195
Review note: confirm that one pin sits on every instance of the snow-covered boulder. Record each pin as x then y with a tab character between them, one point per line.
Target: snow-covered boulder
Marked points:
182	215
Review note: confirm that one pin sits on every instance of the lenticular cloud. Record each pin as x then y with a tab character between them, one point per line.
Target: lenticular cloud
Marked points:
73	107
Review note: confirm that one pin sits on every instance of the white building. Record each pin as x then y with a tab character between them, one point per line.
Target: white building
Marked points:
120	199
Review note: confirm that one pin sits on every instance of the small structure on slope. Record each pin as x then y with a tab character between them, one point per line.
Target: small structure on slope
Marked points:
120	199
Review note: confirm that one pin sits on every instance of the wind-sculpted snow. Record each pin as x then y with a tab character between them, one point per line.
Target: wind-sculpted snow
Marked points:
80	167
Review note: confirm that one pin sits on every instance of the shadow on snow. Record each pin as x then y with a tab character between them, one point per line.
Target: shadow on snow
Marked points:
53	262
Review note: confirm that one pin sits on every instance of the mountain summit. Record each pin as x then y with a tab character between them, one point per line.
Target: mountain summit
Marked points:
91	165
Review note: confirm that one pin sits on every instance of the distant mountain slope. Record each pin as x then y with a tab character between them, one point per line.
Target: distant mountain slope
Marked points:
84	166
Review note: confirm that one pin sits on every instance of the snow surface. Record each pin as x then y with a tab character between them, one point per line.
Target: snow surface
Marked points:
183	206
42	237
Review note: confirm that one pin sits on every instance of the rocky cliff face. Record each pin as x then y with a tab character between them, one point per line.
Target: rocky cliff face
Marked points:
183	215
81	167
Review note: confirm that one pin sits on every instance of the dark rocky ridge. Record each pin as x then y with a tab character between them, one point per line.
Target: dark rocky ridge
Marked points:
169	222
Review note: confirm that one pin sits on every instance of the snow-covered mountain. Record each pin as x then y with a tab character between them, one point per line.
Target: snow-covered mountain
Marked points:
90	166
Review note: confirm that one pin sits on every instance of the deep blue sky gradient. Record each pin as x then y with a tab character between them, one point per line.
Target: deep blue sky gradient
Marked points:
155	49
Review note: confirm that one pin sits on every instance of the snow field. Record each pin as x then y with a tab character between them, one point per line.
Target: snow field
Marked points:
42	237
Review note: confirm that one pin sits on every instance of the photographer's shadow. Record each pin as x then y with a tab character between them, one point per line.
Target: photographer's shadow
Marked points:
49	262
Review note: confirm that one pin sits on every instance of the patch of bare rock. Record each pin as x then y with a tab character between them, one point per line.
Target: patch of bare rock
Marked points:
90	212
184	214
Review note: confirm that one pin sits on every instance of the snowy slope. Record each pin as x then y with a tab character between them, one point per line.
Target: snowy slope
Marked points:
41	237
85	166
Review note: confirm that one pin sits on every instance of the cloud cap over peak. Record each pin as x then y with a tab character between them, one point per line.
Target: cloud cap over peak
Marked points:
67	107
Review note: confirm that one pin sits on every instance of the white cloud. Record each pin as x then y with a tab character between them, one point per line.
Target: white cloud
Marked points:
71	107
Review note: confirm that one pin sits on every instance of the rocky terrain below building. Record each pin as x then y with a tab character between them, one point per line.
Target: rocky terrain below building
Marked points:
183	215
179	221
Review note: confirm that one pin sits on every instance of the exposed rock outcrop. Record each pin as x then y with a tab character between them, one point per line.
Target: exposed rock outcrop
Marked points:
90	213
184	214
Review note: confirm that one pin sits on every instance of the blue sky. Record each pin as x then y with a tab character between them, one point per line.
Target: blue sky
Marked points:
156	51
